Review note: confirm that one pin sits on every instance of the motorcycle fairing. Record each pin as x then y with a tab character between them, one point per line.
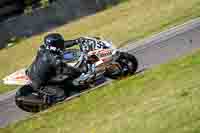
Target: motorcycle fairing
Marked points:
17	78
72	57
20	78
105	55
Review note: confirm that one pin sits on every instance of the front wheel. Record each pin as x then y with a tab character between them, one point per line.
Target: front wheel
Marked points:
124	64
128	63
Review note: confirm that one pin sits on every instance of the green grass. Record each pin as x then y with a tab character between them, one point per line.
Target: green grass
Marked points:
126	22
161	100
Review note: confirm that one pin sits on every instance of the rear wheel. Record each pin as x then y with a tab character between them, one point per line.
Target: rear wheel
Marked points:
34	101
28	100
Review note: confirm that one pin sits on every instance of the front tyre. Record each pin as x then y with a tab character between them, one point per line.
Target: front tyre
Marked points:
128	63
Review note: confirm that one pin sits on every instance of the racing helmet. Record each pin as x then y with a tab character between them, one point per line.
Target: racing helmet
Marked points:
54	42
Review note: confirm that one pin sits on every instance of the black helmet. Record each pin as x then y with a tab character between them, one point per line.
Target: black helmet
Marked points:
54	41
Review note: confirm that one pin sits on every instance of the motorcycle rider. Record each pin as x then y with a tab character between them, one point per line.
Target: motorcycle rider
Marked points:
49	60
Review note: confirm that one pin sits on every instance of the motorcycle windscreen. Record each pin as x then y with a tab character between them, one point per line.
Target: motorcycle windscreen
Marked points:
17	78
71	56
68	56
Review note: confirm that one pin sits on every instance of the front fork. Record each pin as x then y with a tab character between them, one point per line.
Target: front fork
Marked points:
114	69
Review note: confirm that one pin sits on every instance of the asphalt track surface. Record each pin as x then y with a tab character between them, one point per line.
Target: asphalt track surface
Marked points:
158	49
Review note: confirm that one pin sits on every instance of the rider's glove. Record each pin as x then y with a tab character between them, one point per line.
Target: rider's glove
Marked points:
80	40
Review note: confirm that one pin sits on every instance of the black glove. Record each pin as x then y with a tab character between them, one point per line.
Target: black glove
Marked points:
80	40
70	43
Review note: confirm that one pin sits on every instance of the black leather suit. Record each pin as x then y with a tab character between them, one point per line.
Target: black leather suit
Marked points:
49	64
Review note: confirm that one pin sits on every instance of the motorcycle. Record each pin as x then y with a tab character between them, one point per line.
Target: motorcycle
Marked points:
108	63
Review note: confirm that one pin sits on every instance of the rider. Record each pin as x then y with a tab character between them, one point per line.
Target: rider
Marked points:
49	60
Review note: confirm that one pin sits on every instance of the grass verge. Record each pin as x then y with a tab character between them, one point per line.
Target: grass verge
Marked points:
126	22
164	99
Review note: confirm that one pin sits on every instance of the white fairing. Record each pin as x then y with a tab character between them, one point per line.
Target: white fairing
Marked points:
108	44
17	78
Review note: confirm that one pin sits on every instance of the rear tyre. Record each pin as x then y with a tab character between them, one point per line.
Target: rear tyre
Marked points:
28	100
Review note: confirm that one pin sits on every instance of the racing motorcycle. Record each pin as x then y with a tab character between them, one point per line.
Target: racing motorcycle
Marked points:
109	63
